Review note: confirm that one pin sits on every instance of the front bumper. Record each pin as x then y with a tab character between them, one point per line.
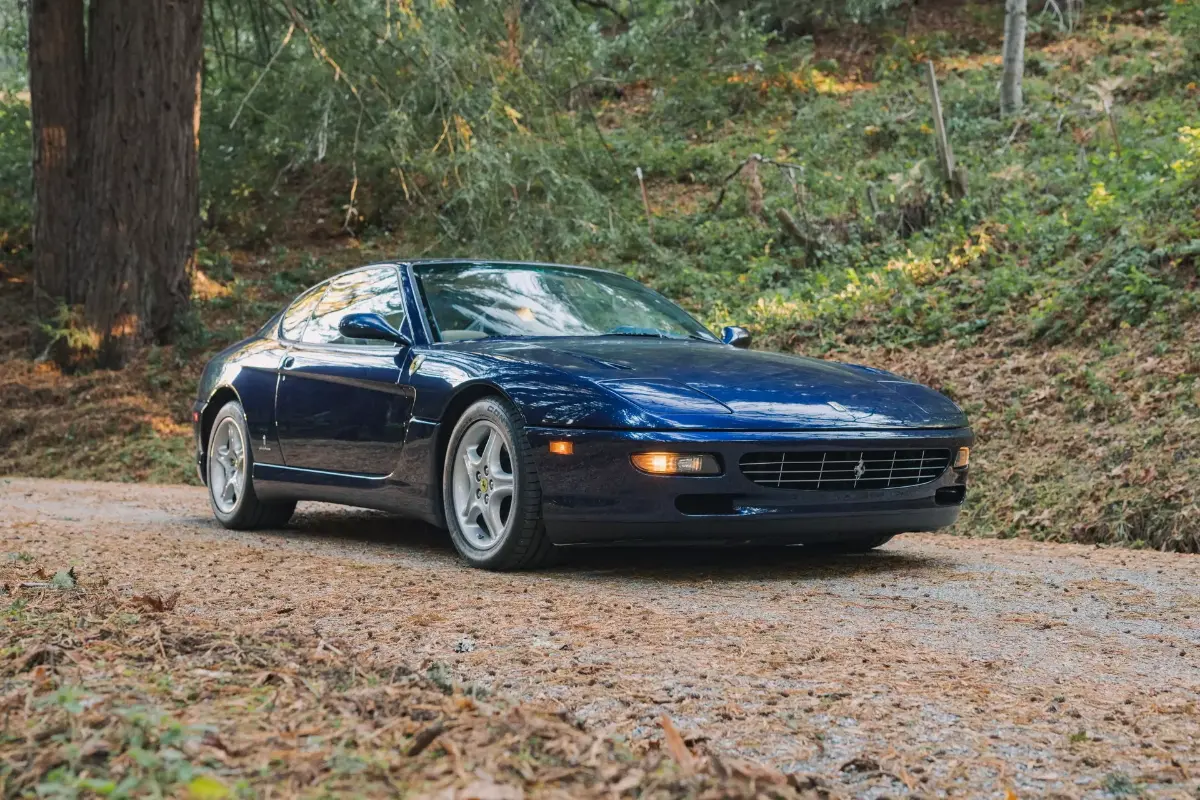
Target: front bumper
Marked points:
595	495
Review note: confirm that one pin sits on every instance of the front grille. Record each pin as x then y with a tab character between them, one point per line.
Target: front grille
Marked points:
839	470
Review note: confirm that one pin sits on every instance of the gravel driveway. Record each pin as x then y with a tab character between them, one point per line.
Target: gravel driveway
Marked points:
936	665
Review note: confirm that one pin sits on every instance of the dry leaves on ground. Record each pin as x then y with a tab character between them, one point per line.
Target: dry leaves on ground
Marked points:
119	696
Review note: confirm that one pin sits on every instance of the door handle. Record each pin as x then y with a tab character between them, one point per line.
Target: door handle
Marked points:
288	361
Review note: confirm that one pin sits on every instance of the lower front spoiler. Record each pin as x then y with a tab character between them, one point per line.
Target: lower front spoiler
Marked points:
755	529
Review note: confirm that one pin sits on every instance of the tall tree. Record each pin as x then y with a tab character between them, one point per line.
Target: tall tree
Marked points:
140	207
1015	18
115	132
56	96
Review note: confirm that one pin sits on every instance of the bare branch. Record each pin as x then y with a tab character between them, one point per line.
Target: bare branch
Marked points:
286	39
737	170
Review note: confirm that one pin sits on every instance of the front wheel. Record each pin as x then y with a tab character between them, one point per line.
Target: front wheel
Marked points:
230	483
490	491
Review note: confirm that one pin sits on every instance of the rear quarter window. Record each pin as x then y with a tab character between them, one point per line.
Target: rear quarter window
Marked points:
299	312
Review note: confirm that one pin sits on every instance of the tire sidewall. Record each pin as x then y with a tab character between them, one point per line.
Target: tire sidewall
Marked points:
499	556
232	410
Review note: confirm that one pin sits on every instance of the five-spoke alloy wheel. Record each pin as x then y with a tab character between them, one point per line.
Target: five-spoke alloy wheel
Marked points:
226	465
230	483
483	484
492	499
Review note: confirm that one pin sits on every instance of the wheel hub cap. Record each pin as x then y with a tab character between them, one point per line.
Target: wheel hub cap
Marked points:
483	485
226	465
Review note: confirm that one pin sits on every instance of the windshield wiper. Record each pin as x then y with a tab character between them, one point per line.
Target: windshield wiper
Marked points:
655	333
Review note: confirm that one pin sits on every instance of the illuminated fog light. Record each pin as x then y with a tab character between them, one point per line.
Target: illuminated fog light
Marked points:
676	463
963	458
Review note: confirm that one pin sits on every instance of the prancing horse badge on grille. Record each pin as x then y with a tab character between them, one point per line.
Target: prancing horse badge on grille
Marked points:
860	468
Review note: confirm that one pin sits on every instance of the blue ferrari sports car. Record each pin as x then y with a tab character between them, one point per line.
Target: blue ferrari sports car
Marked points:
528	406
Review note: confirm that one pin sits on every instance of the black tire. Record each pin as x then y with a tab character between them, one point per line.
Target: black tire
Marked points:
860	544
525	545
248	512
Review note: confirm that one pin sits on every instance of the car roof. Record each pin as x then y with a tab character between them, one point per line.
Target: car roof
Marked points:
420	262
501	263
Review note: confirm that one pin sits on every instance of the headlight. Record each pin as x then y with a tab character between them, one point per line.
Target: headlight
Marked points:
676	463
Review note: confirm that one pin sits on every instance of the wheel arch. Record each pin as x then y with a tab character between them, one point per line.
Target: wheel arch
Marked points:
216	402
463	399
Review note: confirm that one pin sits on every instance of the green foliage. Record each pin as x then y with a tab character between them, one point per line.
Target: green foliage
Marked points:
154	744
1118	784
16	168
808	16
514	131
14	22
1184	20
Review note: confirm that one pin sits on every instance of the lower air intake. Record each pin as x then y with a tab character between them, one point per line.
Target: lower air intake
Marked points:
841	470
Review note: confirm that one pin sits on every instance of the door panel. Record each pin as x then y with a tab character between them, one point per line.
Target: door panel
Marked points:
340	406
343	410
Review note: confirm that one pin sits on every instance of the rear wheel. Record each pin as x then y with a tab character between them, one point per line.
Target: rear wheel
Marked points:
490	491
230	483
860	544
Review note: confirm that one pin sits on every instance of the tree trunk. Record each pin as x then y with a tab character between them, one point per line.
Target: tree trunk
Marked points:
1014	56
140	207
55	98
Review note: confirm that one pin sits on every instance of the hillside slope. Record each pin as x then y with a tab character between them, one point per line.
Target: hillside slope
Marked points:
1056	303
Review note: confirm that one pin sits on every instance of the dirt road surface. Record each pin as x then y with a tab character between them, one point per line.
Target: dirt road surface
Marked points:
936	665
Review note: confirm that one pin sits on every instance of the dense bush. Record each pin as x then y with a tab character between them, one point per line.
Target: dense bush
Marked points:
16	175
503	129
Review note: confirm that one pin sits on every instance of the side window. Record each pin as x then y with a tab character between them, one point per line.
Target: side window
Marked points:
367	291
298	313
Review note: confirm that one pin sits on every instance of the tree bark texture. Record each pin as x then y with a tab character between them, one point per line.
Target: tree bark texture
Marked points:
140	206
1015	18
56	76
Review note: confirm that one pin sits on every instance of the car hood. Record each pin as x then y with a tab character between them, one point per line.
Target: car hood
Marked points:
696	384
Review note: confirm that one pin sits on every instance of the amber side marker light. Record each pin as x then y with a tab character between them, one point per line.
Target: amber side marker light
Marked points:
562	448
963	458
676	463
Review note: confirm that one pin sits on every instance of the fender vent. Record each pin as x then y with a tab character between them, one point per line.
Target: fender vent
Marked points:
840	470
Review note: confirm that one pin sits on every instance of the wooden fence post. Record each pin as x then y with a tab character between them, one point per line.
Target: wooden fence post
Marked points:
954	177
645	203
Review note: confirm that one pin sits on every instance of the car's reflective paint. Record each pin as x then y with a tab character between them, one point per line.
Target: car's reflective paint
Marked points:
364	424
722	387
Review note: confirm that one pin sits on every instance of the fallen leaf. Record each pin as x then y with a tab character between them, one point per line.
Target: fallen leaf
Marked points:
489	790
675	745
156	602
206	787
424	738
860	764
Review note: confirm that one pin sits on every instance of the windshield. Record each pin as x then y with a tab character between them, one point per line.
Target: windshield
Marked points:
475	301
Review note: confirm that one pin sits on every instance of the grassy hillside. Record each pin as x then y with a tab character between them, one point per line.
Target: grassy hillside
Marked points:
1056	302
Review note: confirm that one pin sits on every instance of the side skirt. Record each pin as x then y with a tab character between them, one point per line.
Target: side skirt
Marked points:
391	493
275	482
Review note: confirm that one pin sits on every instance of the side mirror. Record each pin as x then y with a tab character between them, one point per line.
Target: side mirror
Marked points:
736	336
370	326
